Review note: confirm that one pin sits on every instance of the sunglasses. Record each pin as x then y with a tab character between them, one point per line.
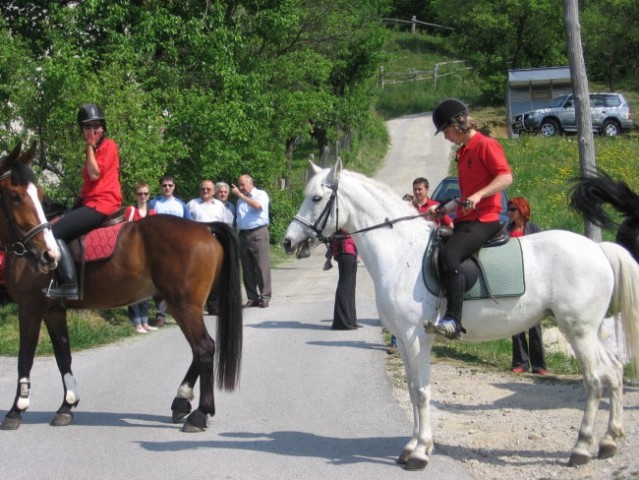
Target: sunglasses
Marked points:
141	193
204	189
92	126
511	209
167	185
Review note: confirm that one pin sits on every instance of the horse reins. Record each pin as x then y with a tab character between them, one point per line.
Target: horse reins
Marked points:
322	220
18	248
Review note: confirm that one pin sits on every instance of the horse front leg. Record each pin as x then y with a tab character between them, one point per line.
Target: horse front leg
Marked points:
416	356
56	322
29	321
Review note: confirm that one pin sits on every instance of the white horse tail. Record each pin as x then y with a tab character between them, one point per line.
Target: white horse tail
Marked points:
625	300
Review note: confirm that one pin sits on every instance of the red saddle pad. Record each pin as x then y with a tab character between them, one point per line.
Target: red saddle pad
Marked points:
99	244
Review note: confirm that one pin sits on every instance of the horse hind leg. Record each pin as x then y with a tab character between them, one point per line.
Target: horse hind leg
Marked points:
181	405
599	370
613	376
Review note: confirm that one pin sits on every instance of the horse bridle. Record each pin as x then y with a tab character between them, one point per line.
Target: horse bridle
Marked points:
320	224
18	248
322	220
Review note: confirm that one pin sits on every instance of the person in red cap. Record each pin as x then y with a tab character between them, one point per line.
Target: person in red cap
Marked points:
483	173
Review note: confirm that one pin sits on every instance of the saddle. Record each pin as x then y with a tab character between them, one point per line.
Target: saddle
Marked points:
496	270
98	244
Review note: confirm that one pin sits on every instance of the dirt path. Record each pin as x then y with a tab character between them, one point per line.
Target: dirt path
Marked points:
516	427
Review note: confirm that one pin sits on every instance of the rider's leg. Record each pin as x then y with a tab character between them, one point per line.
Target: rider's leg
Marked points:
73	224
467	238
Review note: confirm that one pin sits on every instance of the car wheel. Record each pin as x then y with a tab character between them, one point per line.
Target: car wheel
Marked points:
610	128
549	128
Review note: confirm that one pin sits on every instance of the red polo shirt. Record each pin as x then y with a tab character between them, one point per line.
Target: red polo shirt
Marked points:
105	193
478	163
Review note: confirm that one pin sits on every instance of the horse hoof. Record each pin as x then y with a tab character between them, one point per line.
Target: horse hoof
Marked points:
607	450
195	423
416	463
578	459
11	423
404	456
181	407
178	416
61	419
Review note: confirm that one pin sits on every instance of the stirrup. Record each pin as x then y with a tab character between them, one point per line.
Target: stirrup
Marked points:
448	327
61	291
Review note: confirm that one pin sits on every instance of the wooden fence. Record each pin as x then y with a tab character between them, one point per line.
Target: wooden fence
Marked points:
414	24
390	78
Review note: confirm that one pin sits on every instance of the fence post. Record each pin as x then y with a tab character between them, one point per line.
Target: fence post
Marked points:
381	77
413	24
435	73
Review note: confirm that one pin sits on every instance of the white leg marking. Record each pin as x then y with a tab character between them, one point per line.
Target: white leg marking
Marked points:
72	389
184	391
23	399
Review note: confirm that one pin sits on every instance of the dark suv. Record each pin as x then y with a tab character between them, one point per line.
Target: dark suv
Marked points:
611	115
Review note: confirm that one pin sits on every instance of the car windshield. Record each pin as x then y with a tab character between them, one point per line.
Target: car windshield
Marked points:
557	101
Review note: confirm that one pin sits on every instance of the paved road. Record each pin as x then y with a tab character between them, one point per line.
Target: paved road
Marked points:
312	404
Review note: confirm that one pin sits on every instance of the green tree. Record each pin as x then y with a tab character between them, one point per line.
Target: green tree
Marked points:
497	36
610	29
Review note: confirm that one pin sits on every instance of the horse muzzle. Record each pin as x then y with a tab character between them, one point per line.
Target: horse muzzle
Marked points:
301	250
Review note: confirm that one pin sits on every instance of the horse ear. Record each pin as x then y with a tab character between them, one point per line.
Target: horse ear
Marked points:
11	158
27	157
337	169
311	171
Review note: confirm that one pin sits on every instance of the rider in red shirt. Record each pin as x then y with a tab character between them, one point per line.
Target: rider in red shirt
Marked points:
100	197
483	173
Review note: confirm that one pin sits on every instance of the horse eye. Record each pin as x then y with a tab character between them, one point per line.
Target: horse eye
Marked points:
317	198
15	198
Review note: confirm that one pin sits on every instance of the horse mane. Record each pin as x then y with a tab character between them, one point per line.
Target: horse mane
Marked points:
386	191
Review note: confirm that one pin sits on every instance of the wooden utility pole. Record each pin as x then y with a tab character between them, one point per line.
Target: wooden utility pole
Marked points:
579	80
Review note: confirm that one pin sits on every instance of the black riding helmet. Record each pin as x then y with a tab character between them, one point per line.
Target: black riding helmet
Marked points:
90	112
446	112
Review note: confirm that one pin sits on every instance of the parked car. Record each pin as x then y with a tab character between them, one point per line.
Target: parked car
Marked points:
611	115
449	188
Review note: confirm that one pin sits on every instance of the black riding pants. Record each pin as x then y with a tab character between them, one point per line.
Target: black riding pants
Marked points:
467	238
77	222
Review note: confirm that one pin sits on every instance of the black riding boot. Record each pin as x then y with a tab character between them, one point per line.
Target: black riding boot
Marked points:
450	324
65	278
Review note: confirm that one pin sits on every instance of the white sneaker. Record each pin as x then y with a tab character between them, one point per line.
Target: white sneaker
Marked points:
140	329
149	328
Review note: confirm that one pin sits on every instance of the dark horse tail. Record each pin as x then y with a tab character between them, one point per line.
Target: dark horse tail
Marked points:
591	192
229	322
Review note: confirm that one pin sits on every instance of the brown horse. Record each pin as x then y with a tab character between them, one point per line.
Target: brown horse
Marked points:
179	259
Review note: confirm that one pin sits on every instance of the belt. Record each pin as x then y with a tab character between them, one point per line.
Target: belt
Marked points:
251	230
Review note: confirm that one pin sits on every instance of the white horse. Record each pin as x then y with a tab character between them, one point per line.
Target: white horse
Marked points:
566	275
